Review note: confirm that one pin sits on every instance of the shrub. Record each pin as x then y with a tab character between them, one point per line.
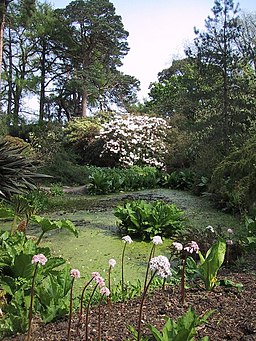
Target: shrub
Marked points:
81	137
135	140
64	169
17	173
234	179
145	220
180	179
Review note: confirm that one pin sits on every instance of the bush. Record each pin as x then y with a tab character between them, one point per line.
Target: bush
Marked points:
234	179
135	140
180	179
64	170
145	220
81	137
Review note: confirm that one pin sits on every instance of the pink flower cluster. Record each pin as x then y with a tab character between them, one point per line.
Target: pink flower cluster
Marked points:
40	258
177	246
161	265
157	240
192	247
75	273
127	239
100	281
112	263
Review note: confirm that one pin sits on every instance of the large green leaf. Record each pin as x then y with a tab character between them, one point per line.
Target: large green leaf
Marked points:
210	265
23	266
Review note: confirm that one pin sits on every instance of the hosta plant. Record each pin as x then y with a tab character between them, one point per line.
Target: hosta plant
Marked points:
147	219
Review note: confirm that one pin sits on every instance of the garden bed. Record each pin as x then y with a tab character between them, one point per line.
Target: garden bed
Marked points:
234	316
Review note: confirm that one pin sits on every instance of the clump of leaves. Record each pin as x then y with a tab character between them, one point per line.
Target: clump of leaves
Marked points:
145	220
208	267
17	174
182	330
51	287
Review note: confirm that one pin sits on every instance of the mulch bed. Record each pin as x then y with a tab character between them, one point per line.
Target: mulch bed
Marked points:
234	317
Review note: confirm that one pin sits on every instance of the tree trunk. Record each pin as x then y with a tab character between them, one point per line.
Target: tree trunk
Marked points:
10	77
84	104
42	82
3	6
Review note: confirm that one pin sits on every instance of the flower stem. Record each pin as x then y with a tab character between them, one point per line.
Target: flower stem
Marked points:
81	305
87	312
99	320
149	258
123	268
141	305
183	281
31	304
70	309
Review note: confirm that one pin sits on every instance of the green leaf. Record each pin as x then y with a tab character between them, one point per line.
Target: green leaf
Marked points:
209	268
68	225
23	266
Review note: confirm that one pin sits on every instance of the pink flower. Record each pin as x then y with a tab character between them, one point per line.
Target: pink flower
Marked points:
157	240
192	247
112	262
229	242
105	291
75	273
177	246
127	239
40	258
100	281
161	265
95	274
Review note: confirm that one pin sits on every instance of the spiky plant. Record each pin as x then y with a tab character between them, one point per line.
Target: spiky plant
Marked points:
17	173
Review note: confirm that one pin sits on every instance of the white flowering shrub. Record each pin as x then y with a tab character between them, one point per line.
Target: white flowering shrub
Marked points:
135	140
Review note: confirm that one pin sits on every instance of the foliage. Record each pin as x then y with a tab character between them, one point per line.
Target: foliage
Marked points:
96	36
17	174
15	281
234	179
46	140
182	330
111	180
135	140
249	237
63	168
18	143
47	225
209	265
81	135
56	190
145	220
180	179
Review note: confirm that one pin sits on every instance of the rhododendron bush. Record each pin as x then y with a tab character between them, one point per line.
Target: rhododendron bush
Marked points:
135	140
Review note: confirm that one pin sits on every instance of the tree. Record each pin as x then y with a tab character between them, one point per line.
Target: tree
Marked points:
93	42
223	69
27	7
177	90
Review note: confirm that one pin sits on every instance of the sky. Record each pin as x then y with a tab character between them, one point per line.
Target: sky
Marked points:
158	32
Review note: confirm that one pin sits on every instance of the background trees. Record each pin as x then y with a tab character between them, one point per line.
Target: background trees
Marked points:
67	58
